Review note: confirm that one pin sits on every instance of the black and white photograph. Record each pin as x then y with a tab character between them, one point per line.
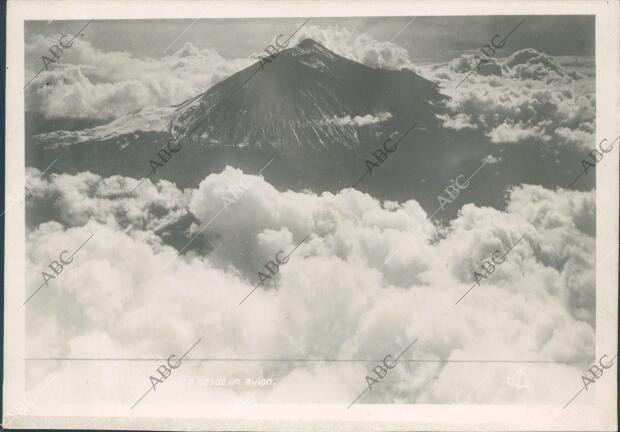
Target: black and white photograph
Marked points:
222	217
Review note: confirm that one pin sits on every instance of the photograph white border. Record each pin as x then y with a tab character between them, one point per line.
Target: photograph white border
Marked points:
364	417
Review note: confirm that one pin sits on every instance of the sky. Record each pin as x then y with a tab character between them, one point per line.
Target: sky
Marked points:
427	39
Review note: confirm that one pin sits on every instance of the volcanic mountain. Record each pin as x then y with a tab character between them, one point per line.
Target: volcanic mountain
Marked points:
306	97
316	113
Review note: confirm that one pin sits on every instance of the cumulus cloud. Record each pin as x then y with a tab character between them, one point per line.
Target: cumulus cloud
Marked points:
73	200
512	133
531	64
126	295
533	98
362	48
525	64
458	122
91	83
468	62
359	121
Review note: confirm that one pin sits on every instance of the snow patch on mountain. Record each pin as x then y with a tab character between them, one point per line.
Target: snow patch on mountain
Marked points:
151	119
308	47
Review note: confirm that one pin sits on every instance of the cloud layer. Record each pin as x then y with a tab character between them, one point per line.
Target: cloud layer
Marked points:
528	96
361	48
91	83
360	121
127	294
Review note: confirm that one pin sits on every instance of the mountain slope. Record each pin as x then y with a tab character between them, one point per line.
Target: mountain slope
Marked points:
152	119
306	96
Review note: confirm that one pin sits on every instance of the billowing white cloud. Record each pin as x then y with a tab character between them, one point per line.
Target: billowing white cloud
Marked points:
531	96
531	64
468	62
362	48
525	64
91	83
126	295
78	199
512	133
364	120
458	122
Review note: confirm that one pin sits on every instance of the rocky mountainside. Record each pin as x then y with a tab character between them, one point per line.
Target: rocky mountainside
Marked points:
306	97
